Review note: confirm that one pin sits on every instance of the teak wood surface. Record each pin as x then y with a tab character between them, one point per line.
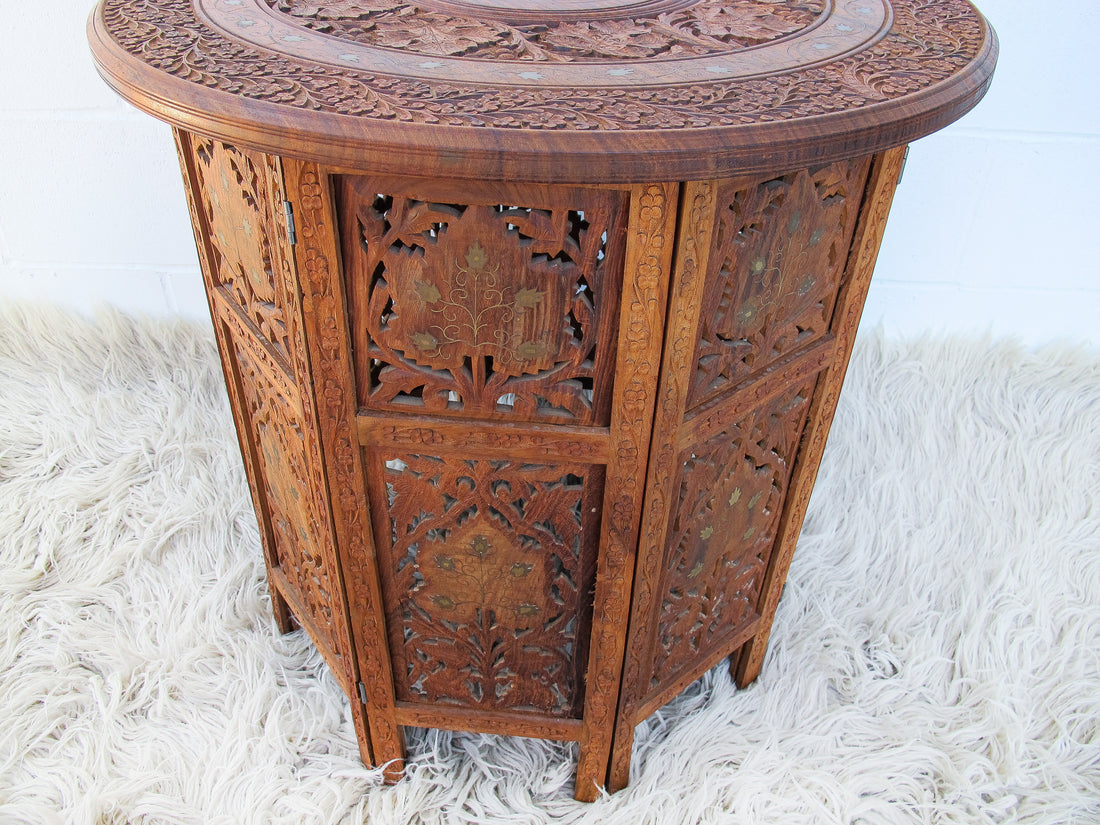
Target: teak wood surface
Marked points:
534	320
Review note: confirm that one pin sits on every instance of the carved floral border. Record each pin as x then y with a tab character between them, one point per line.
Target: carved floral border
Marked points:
930	41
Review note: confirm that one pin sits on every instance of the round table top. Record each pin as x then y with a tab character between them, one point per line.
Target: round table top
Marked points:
569	91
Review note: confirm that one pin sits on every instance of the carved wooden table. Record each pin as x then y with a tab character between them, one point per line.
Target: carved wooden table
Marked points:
534	317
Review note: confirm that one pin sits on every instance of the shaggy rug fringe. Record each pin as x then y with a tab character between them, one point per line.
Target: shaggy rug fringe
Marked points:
935	659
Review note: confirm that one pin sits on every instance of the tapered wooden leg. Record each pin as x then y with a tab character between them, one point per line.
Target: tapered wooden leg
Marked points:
280	609
589	780
734	662
746	663
619	772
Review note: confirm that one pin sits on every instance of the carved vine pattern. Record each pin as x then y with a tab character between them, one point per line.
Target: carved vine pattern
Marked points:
325	307
693	242
487	574
730	497
779	255
636	373
707	27
487	310
931	40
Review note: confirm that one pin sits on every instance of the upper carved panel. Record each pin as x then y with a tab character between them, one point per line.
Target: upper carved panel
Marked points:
779	255
706	27
488	310
234	200
681	69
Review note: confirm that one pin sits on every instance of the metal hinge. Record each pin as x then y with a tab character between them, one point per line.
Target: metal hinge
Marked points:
904	161
291	235
363	693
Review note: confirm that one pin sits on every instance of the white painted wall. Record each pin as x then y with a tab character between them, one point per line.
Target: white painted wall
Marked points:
994	227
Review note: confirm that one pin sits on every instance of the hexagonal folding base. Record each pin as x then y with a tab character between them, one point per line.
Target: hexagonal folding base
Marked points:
531	459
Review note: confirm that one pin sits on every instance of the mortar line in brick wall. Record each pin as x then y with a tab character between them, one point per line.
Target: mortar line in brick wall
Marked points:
1021	135
1000	289
99	115
151	269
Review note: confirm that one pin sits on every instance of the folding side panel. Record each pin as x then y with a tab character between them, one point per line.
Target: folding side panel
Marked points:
236	200
775	270
761	263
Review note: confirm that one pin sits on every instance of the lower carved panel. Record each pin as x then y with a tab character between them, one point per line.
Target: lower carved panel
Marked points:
488	567
291	488
731	494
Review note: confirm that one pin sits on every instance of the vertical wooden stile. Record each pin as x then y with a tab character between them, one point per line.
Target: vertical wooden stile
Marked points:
651	231
692	251
318	264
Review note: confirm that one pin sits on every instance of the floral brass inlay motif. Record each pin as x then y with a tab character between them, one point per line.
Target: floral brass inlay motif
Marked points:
483	308
477	309
489	568
485	577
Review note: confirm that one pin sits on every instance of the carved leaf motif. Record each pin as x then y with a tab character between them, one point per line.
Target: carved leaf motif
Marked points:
708	26
740	22
615	38
338	9
428	37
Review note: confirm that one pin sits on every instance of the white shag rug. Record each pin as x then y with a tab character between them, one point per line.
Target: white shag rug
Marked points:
935	659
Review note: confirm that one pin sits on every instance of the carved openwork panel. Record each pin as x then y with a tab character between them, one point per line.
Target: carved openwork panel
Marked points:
482	308
234	196
723	528
779	255
291	485
488	567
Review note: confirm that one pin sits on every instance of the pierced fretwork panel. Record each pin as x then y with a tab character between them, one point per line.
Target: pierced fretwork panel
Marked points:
234	195
779	255
293	491
483	308
488	570
731	493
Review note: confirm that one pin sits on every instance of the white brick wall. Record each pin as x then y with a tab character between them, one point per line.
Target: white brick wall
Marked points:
994	227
